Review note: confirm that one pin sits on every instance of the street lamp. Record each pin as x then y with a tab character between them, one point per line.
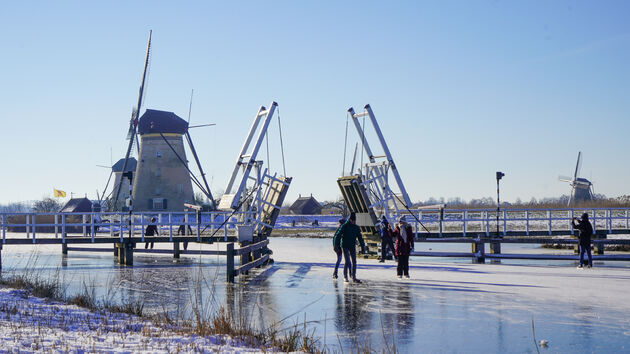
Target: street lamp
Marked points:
499	176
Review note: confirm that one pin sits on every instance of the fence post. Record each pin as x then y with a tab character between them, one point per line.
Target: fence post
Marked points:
527	222
63	228
441	220
571	222
170	227
230	262
83	225
34	228
27	225
487	222
549	216
609	221
4	229
464	216
120	231
92	226
142	226
56	225
504	222
594	220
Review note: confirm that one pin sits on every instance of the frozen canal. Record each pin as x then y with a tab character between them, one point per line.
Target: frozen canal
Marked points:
447	305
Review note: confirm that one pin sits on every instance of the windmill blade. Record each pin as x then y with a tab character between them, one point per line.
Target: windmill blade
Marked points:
107	184
201	125
578	165
103	166
564	179
134	122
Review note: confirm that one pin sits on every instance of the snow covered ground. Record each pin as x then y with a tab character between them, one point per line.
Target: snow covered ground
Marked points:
29	324
448	305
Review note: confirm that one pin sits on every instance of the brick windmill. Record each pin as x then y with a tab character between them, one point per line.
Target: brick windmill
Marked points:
162	180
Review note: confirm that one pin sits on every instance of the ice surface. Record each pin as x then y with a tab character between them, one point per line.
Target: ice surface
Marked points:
447	305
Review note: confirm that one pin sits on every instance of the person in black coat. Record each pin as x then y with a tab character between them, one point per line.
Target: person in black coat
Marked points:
386	239
585	232
337	249
151	230
404	246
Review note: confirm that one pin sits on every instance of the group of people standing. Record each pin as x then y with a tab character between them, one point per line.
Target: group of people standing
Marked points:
347	234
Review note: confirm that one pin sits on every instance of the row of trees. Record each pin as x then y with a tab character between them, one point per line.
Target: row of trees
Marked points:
45	205
599	201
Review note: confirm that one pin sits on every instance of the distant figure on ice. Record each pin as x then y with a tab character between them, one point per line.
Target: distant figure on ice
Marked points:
386	238
346	237
586	230
404	246
151	230
337	248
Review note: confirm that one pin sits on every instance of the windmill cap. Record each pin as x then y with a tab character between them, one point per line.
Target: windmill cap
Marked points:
155	122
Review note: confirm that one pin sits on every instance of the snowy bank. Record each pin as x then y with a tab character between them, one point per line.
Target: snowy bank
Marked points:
36	325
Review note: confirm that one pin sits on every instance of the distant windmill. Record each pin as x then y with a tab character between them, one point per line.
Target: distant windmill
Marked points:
581	188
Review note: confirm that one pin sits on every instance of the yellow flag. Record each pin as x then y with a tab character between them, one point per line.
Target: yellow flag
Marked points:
59	193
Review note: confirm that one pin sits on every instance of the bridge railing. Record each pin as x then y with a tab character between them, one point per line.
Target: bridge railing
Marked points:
95	224
471	222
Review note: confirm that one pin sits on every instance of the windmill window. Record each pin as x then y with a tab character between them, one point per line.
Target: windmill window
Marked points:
158	204
158	153
158	172
180	188
158	190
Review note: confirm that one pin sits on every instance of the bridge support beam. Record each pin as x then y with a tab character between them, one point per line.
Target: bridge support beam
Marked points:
125	253
230	262
176	251
478	250
495	247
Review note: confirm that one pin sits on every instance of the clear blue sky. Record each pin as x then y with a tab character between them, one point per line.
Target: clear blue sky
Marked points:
461	89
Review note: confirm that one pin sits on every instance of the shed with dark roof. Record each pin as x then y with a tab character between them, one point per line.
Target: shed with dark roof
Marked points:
77	205
306	206
155	122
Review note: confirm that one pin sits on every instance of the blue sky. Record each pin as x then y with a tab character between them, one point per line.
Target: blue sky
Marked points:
461	89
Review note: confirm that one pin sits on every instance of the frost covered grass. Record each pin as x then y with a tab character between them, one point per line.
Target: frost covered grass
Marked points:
37	314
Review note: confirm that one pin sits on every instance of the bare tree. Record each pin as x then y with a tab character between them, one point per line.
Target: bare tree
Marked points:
46	205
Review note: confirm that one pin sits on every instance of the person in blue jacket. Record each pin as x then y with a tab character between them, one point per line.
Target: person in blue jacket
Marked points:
346	238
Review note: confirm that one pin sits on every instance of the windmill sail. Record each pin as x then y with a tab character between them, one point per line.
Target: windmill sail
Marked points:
133	124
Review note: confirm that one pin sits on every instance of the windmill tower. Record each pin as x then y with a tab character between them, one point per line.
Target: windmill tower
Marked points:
120	182
162	181
581	188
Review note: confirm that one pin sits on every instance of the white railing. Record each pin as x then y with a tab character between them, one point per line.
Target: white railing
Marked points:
471	222
93	224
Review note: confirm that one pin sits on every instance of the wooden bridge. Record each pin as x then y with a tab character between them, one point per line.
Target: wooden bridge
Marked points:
74	231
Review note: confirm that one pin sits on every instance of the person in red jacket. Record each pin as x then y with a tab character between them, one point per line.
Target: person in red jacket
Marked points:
404	245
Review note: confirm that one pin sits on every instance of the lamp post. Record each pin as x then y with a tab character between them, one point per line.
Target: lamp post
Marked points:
499	176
